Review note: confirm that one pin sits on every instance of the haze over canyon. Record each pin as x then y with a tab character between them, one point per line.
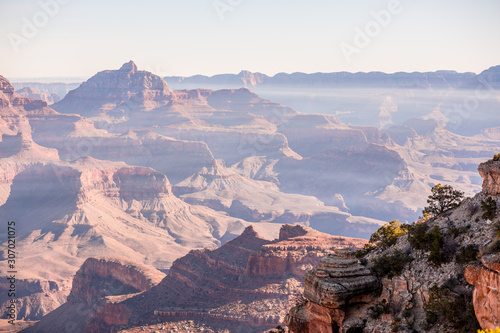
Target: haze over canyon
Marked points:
232	184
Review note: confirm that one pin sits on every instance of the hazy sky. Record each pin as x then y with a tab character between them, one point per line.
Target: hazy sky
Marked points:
42	38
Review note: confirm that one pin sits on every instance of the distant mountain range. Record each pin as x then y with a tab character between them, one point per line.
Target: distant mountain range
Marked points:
442	79
416	80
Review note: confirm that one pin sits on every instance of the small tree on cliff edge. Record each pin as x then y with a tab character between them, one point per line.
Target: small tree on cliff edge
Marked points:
443	197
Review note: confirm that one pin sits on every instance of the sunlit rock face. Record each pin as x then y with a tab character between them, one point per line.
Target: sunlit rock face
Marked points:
115	92
486	298
490	171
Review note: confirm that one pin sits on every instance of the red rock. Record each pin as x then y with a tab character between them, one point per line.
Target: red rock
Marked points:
486	296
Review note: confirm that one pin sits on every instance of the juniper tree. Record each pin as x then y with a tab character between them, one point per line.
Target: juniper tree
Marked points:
443	197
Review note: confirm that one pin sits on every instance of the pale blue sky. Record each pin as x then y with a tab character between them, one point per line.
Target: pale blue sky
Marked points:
187	37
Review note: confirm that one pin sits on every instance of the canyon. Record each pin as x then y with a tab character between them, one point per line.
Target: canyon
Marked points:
125	165
245	285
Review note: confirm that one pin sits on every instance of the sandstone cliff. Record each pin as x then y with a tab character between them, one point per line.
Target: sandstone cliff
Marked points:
486	279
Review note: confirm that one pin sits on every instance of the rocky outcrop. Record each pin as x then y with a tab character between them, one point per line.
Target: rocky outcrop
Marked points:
486	279
30	92
97	286
248	267
338	281
490	171
297	250
99	277
116	93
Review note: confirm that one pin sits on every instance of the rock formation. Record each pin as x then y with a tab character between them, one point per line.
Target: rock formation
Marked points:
337	282
94	276
486	279
116	92
490	171
35	94
99	278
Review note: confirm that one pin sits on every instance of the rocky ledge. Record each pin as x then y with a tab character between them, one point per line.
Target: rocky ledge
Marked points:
339	280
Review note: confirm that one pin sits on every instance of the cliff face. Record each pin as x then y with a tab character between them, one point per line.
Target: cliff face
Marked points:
486	279
265	275
99	277
485	276
490	171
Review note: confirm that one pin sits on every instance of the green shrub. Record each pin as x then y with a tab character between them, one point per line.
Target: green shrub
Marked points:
436	246
455	311
466	254
433	241
489	207
417	236
496	157
443	197
390	265
364	251
458	231
388	234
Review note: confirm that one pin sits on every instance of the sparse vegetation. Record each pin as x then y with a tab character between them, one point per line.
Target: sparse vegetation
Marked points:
436	246
455	311
388	234
496	157
489	207
278	329
443	197
390	265
378	309
458	231
395	324
467	254
431	241
417	236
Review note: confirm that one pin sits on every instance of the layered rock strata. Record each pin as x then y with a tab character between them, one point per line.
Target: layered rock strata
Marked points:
338	281
233	287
